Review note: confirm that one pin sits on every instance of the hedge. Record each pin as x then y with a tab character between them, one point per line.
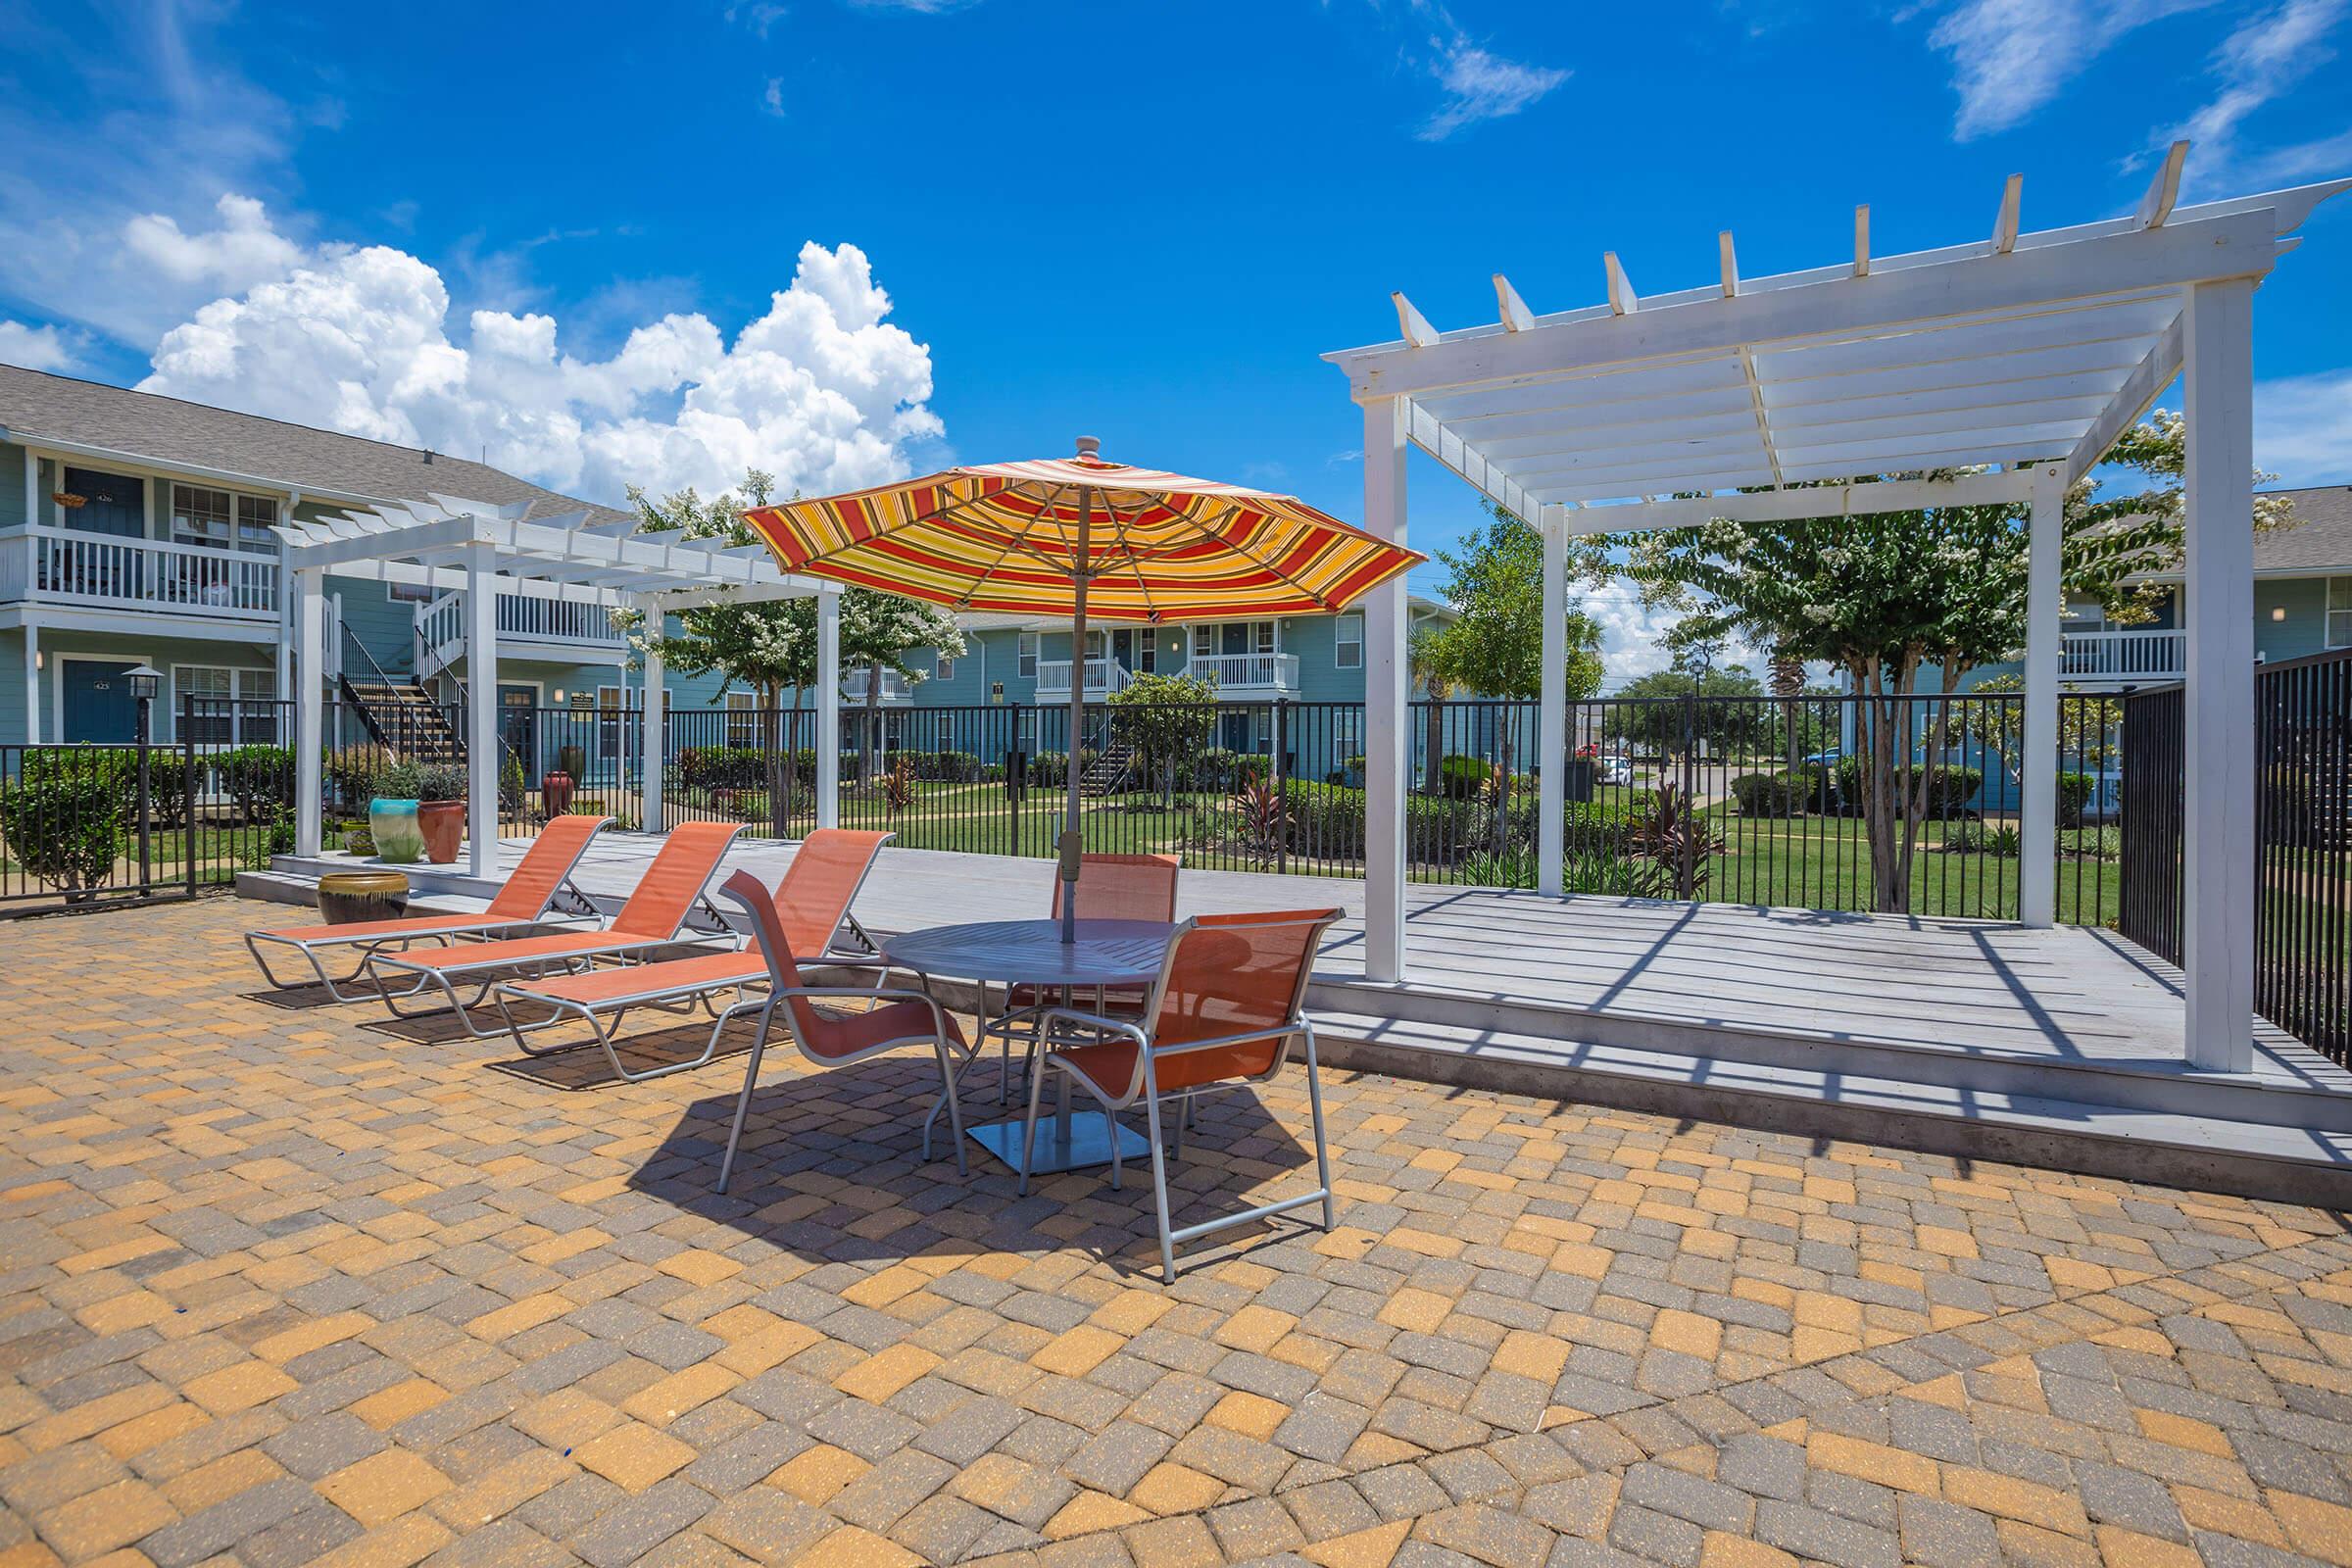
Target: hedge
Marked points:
68	815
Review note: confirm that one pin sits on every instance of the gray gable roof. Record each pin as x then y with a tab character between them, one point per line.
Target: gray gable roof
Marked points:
2321	543
35	405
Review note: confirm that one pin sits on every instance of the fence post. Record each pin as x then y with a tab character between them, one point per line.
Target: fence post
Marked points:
188	784
1282	792
1682	886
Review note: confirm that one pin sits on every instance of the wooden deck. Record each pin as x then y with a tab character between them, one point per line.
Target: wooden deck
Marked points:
1834	1021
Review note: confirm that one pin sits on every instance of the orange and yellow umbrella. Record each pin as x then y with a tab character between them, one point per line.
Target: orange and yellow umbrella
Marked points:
1022	537
1088	538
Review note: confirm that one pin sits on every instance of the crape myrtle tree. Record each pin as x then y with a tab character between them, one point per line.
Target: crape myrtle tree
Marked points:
1892	598
770	646
1495	645
1168	720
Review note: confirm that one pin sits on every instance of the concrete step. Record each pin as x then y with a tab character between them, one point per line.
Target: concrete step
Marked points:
2199	1151
2171	1088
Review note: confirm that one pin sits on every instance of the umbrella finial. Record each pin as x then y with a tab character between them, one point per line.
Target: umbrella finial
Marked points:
1090	446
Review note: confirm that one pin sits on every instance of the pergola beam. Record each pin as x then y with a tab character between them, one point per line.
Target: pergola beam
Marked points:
1991	489
2152	375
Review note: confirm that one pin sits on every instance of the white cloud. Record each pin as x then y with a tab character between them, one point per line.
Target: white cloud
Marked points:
2303	427
2266	56
2010	57
33	348
1482	87
771	101
821	390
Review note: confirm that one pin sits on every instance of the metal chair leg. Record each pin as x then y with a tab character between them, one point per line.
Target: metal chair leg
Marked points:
1110	1126
947	1079
1314	1107
1037	1091
1159	1189
743	1106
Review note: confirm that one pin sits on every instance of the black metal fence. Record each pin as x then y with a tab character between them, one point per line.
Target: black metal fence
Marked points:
2303	849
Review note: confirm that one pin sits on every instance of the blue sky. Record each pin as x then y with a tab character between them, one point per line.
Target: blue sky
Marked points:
557	235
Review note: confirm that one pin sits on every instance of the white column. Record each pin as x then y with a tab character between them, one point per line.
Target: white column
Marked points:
651	746
2217	887
309	714
828	707
1384	676
32	682
2038	758
1551	719
285	611
481	716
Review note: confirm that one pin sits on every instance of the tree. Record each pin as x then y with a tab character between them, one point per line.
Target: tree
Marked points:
1495	645
770	646
1425	668
1886	597
1166	718
1669	712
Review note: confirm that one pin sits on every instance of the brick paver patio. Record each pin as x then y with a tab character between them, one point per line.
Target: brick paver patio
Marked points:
278	1285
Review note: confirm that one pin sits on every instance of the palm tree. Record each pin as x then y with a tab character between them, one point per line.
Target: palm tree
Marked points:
1788	683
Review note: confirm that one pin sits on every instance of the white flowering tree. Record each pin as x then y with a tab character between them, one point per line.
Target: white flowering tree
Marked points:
1895	598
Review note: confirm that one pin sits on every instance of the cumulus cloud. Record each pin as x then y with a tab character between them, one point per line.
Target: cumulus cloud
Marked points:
34	347
821	389
2010	57
1480	87
2303	427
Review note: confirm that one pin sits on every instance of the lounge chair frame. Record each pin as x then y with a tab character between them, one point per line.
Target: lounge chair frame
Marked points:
577	907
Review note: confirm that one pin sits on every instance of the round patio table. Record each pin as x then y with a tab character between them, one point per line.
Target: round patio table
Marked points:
1108	953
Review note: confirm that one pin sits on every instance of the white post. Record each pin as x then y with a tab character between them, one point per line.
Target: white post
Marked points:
2038	758
32	681
481	717
2217	889
310	715
828	707
285	611
1385	675
652	748
1551	719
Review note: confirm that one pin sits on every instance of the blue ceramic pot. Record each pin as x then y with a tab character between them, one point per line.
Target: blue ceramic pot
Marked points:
398	837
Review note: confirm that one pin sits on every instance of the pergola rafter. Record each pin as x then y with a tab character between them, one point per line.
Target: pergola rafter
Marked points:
1991	372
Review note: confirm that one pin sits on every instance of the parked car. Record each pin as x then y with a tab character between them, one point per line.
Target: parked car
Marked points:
1613	768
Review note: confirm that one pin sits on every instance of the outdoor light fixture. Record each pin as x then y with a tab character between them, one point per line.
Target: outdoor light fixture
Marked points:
2278	612
145	682
559	697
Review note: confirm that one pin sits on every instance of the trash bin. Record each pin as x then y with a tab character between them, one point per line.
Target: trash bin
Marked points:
1016	776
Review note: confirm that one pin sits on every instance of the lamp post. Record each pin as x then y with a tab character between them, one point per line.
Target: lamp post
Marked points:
145	680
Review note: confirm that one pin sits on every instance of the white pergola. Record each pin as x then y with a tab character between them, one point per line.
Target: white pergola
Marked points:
447	543
2016	360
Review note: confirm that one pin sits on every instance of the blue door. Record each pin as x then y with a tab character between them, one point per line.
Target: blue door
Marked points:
97	706
111	503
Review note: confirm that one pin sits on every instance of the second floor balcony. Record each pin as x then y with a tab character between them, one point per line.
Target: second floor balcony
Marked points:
2122	657
1103	677
857	684
1248	675
529	623
68	566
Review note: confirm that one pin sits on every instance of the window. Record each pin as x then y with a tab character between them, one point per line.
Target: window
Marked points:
608	720
232	707
1024	656
1348	643
2339	612
1147	650
220	519
1261	636
743	720
1204	641
411	593
943	666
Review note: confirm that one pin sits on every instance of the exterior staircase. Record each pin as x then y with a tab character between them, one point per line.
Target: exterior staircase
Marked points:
1108	771
404	717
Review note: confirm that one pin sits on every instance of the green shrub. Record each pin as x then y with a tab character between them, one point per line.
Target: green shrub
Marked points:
167	774
442	781
257	780
572	760
2074	793
403	780
1051	768
66	816
1773	794
1978	838
1464	777
1948	793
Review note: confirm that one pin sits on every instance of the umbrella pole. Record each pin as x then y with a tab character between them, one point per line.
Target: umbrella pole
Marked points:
1072	840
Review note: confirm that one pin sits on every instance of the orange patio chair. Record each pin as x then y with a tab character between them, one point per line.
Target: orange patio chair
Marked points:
531	891
1111	887
670	891
828	1039
1229	1000
812	905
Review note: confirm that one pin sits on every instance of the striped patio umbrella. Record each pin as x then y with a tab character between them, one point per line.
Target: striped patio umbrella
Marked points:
1088	538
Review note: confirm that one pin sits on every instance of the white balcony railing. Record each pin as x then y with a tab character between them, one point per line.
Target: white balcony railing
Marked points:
1103	677
854	684
65	567
2130	654
556	620
1274	672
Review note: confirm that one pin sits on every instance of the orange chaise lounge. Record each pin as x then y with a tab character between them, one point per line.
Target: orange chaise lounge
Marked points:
543	878
813	908
654	917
